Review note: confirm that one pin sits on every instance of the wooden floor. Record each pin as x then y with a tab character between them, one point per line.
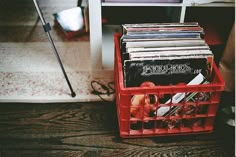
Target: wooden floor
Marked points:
89	129
19	21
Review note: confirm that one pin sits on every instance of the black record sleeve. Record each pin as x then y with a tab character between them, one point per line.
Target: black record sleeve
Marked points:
163	72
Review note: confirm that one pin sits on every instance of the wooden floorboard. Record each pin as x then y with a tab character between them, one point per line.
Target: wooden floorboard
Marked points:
87	129
19	21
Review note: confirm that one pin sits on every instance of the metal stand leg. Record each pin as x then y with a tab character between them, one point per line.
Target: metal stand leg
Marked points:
47	28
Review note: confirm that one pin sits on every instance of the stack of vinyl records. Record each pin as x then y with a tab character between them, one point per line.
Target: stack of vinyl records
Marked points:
164	53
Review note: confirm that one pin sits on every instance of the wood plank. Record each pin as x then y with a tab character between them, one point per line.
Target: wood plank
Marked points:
109	153
80	129
35	34
20	23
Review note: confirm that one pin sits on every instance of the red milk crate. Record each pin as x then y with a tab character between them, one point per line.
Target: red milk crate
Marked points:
190	117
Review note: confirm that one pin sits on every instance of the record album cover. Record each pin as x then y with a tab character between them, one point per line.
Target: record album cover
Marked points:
163	72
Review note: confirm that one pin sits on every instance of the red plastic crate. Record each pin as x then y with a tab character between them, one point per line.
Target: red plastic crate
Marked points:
201	120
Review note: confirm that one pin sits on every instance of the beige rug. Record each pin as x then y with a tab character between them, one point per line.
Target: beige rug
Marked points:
29	72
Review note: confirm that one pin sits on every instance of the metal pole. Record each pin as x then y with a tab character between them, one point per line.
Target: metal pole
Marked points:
47	28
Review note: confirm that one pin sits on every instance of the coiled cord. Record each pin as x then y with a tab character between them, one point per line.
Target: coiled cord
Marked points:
100	89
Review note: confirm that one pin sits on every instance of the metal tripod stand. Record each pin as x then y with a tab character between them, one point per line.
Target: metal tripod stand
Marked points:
47	28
